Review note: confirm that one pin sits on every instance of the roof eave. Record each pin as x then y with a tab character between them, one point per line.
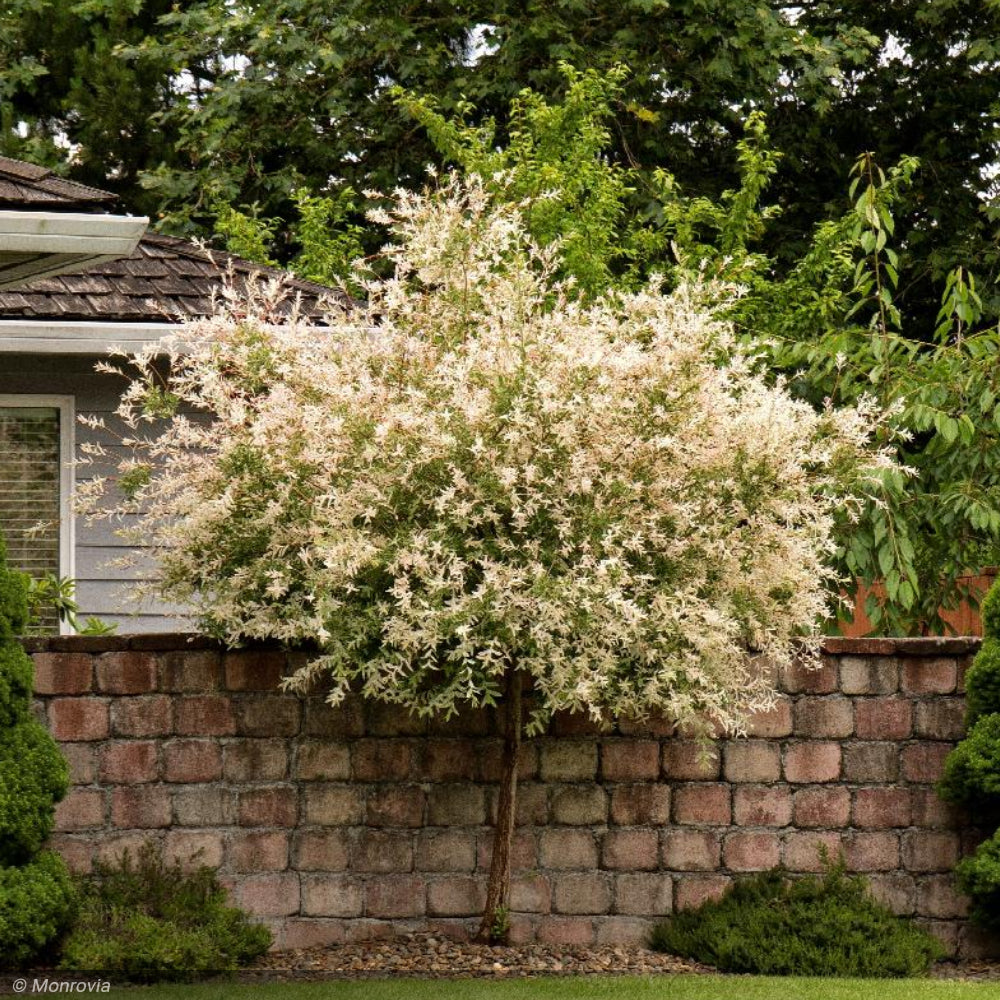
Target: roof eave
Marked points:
36	245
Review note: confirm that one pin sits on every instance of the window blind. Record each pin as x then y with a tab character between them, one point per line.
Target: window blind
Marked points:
30	469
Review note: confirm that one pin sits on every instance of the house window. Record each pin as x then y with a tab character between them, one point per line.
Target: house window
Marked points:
35	485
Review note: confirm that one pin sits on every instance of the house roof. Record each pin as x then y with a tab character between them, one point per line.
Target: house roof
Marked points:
165	280
27	186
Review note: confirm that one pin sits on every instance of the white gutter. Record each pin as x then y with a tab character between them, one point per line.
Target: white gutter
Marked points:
37	245
42	336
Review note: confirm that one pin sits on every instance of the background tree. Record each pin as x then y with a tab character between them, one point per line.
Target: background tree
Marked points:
478	485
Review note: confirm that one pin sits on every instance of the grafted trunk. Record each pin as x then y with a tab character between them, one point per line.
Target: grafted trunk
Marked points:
495	923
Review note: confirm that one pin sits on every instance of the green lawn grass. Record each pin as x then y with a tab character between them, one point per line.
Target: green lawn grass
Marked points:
687	987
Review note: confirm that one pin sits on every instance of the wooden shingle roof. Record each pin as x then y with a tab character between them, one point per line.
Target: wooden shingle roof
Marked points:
29	187
165	280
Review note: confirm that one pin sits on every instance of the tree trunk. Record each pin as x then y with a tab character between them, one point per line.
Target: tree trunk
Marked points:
494	927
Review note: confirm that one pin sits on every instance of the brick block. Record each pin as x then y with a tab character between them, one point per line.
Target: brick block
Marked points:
831	717
530	894
193	848
204	715
633	850
203	806
806	763
190	671
924	762
469	721
333	805
871	762
693	890
568	760
321	850
448	760
111	850
258	850
631	932
803	849
335	722
79	719
689	760
523	851
274	806
691	850
752	760
882	808
871	851
445	851
82	760
826	807
940	719
884	718
640	805
645	894
459	896
323	761
929	811
381	760
253	669
192	761
895	890
268	715
145	808
395	897
331	896
775	722
574	932
63	673
702	803
396	805
312	932
456	805
128	762
751	851
585	893
761	805
814	679
655	726
489	762
151	715
630	760
567	849
384	852
531	807
255	760
393	720
82	809
76	851
581	806
939	897
271	895
929	675
930	850
868	675
126	673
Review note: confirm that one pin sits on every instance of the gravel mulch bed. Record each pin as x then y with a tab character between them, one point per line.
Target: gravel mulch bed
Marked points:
429	957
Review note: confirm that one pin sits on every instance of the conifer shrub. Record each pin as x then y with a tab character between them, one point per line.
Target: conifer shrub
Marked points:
972	770
770	924
151	920
36	893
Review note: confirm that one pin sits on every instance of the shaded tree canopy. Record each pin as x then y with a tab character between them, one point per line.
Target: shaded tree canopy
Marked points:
183	106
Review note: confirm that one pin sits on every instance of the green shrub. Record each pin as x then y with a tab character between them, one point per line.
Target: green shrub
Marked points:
978	876
150	920
772	925
36	902
36	894
989	612
972	769
982	683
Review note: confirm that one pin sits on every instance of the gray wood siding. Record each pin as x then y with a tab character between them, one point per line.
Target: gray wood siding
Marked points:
102	589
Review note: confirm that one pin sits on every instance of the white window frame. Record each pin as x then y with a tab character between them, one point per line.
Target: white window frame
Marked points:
66	405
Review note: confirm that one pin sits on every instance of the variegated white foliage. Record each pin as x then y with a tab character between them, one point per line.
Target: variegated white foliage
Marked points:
475	472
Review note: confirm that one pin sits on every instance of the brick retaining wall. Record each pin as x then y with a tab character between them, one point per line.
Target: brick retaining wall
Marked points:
339	824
